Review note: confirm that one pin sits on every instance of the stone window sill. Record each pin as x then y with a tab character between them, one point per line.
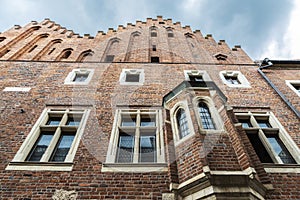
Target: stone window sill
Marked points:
40	166
134	167
282	168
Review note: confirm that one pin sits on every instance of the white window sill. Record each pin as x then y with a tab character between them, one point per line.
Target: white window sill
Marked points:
134	167
40	166
282	168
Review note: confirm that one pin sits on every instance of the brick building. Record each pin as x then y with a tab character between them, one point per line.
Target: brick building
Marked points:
152	110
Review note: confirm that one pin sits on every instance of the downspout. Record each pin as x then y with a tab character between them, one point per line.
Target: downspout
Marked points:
269	64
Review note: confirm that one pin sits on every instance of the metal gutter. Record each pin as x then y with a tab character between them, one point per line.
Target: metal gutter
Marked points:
269	64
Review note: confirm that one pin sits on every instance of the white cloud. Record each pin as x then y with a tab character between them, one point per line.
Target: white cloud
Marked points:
289	47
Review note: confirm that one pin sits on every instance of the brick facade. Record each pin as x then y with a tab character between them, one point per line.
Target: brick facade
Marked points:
207	164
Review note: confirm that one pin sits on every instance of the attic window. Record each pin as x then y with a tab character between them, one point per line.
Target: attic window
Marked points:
155	59
221	56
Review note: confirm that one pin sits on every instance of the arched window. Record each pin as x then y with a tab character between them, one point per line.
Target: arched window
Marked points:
153	31
170	33
206	119
65	54
182	123
2	39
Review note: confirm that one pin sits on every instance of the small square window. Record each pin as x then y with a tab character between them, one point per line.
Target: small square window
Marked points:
109	58
79	76
148	121
128	121
234	79
132	78
153	47
170	35
155	59
263	123
153	34
73	120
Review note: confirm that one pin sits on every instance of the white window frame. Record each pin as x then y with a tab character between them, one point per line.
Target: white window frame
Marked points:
241	78
19	162
219	124
202	73
71	76
290	84
175	130
285	138
124	73
111	165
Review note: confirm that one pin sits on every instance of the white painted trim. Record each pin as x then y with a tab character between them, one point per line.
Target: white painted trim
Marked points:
290	82
295	170
38	167
69	79
16	89
242	79
124	72
173	112
134	167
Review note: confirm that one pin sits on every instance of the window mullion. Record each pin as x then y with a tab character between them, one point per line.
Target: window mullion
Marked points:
52	145
268	147
137	138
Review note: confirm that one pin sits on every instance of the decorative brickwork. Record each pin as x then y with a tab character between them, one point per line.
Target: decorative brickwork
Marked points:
45	66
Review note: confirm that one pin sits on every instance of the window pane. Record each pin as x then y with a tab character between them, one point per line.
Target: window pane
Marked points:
147	121
195	78
53	121
245	123
73	121
259	148
109	58
63	147
264	124
153	34
232	80
182	123
40	147
280	149
80	77
147	148
128	121
205	116
155	59
125	148
132	77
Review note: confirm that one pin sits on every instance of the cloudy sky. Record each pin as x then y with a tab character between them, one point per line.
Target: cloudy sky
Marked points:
264	28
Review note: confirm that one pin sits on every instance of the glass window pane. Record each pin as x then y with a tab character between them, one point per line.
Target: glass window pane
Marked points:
73	121
147	148
40	147
264	124
205	116
259	148
195	78
147	121
63	147
53	121
232	80
245	123
125	148
182	123
132	77
128	121
80	77
280	149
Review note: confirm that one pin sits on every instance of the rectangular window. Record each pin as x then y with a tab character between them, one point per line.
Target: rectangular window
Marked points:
136	137
153	47
264	136
109	58
155	59
79	76
56	132
294	85
132	77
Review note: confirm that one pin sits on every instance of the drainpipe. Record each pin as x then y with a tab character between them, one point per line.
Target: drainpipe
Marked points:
269	64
